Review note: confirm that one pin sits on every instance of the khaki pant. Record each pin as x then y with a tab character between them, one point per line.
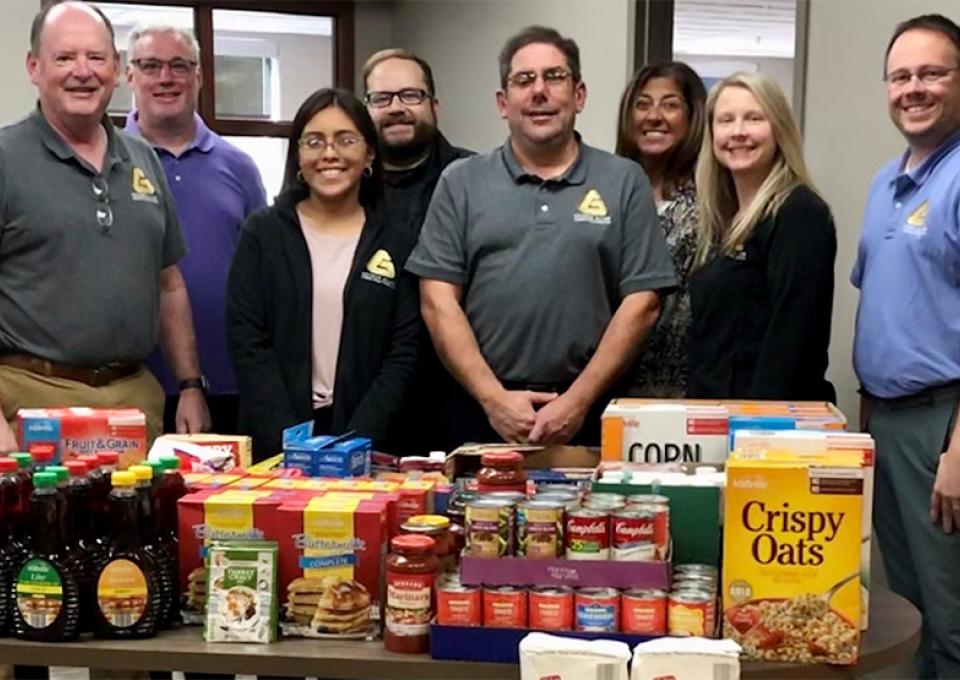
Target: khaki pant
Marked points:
23	389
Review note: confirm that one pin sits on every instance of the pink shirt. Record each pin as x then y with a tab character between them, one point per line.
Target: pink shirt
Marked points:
330	260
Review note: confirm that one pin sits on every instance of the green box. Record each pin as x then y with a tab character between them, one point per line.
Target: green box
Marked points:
242	591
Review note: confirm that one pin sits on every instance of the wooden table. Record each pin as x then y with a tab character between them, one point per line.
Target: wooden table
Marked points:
893	636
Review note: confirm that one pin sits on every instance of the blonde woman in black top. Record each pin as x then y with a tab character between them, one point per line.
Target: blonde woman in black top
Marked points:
762	287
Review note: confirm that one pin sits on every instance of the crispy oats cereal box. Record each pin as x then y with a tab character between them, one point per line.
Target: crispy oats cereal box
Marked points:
791	569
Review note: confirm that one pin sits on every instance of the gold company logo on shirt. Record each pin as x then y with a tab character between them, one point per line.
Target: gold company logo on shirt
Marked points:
917	220
143	189
380	269
592	209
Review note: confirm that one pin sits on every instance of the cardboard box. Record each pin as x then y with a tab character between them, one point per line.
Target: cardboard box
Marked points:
791	566
643	431
242	588
465	460
238	446
77	431
327	455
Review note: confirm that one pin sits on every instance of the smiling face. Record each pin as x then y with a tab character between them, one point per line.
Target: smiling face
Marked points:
661	118
926	113
404	129
543	111
743	139
333	155
164	97
75	69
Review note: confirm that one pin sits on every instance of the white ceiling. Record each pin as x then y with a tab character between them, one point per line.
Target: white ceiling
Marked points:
740	28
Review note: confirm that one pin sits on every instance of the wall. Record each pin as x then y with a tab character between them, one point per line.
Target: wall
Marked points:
714	65
849	136
373	30
18	94
461	40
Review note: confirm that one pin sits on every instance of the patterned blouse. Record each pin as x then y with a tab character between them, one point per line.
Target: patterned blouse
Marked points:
661	370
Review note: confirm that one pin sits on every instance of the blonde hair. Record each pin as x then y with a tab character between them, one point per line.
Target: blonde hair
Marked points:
724	224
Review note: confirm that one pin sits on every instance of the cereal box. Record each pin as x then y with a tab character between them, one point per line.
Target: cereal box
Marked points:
242	592
332	550
663	432
791	568
77	431
824	442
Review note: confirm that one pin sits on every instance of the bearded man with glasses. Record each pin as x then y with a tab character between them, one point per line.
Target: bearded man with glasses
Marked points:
89	242
215	186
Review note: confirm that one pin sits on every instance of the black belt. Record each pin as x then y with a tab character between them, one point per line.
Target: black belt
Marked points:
925	397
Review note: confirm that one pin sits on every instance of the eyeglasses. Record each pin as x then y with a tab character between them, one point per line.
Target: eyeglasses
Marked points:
179	68
104	212
928	75
409	96
313	144
552	77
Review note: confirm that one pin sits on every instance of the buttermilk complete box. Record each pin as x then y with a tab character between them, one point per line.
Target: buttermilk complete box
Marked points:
77	431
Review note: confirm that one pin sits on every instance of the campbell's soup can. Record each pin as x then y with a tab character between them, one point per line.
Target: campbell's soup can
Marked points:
597	610
587	534
459	605
660	507
691	613
632	533
643	612
504	607
605	501
550	608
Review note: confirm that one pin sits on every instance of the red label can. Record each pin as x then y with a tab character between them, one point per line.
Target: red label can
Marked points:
597	610
504	607
644	612
587	535
633	532
551	608
660	507
459	605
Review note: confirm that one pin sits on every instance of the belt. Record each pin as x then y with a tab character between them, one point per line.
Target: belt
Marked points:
95	377
923	398
559	388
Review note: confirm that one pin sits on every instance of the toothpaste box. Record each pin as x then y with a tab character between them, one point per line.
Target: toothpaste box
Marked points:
644	431
76	431
325	455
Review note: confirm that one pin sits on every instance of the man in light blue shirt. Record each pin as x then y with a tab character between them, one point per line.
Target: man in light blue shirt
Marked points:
907	343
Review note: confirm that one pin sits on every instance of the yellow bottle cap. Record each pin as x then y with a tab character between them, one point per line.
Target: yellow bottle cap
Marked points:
123	479
141	472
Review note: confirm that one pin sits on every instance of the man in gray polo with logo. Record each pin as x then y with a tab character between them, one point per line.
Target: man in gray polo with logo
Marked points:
89	241
541	263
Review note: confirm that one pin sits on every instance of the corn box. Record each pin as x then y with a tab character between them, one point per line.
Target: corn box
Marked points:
660	432
749	443
791	566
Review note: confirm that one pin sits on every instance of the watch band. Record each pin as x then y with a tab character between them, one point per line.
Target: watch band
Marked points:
199	382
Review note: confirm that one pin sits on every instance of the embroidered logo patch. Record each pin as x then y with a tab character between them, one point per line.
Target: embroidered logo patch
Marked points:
592	209
380	269
917	220
143	189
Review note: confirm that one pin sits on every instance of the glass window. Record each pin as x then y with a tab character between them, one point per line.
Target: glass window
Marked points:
267	63
270	154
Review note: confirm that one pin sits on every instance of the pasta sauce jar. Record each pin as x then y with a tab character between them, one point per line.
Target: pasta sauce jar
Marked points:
502	471
412	568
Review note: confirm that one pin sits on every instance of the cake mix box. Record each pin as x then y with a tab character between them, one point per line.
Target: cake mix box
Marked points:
217	514
791	565
240	447
332	551
666	431
77	431
749	443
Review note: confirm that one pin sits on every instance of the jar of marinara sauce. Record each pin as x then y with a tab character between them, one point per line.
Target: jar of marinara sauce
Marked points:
412	568
502	471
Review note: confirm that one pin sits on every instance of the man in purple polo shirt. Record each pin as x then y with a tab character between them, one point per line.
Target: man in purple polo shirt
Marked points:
215	186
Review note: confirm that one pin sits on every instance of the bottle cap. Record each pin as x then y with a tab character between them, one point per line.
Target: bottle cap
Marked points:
61	472
123	478
76	468
142	472
9	465
44	479
108	457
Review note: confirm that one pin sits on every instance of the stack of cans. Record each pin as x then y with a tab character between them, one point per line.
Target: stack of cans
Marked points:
692	607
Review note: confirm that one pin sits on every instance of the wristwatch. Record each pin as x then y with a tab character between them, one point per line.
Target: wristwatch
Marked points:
194	383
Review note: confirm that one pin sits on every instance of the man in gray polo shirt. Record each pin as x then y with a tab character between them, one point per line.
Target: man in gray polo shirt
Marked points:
89	241
541	263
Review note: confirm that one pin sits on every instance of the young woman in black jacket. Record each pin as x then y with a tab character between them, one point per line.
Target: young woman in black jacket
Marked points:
761	292
322	321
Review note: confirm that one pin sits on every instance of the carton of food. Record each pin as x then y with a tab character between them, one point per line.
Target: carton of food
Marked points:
663	432
791	566
332	550
77	431
239	447
192	457
242	602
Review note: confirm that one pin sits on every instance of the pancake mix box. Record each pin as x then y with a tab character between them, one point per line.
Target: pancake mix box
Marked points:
791	566
77	431
663	432
332	551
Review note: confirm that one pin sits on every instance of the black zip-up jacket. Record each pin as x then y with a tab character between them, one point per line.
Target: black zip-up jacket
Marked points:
761	319
269	327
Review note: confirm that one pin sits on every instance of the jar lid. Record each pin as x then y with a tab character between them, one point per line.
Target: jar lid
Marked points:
432	521
497	458
412	543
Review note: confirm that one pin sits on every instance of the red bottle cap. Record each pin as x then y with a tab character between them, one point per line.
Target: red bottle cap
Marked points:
502	458
9	465
415	543
76	468
43	452
91	459
108	458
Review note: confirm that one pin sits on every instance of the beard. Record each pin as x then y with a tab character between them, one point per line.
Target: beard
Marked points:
408	151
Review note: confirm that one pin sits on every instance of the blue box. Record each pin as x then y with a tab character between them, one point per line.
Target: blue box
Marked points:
325	455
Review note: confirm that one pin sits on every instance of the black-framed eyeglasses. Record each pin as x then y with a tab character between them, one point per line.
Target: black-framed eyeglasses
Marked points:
101	189
179	68
928	75
552	77
344	142
410	96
